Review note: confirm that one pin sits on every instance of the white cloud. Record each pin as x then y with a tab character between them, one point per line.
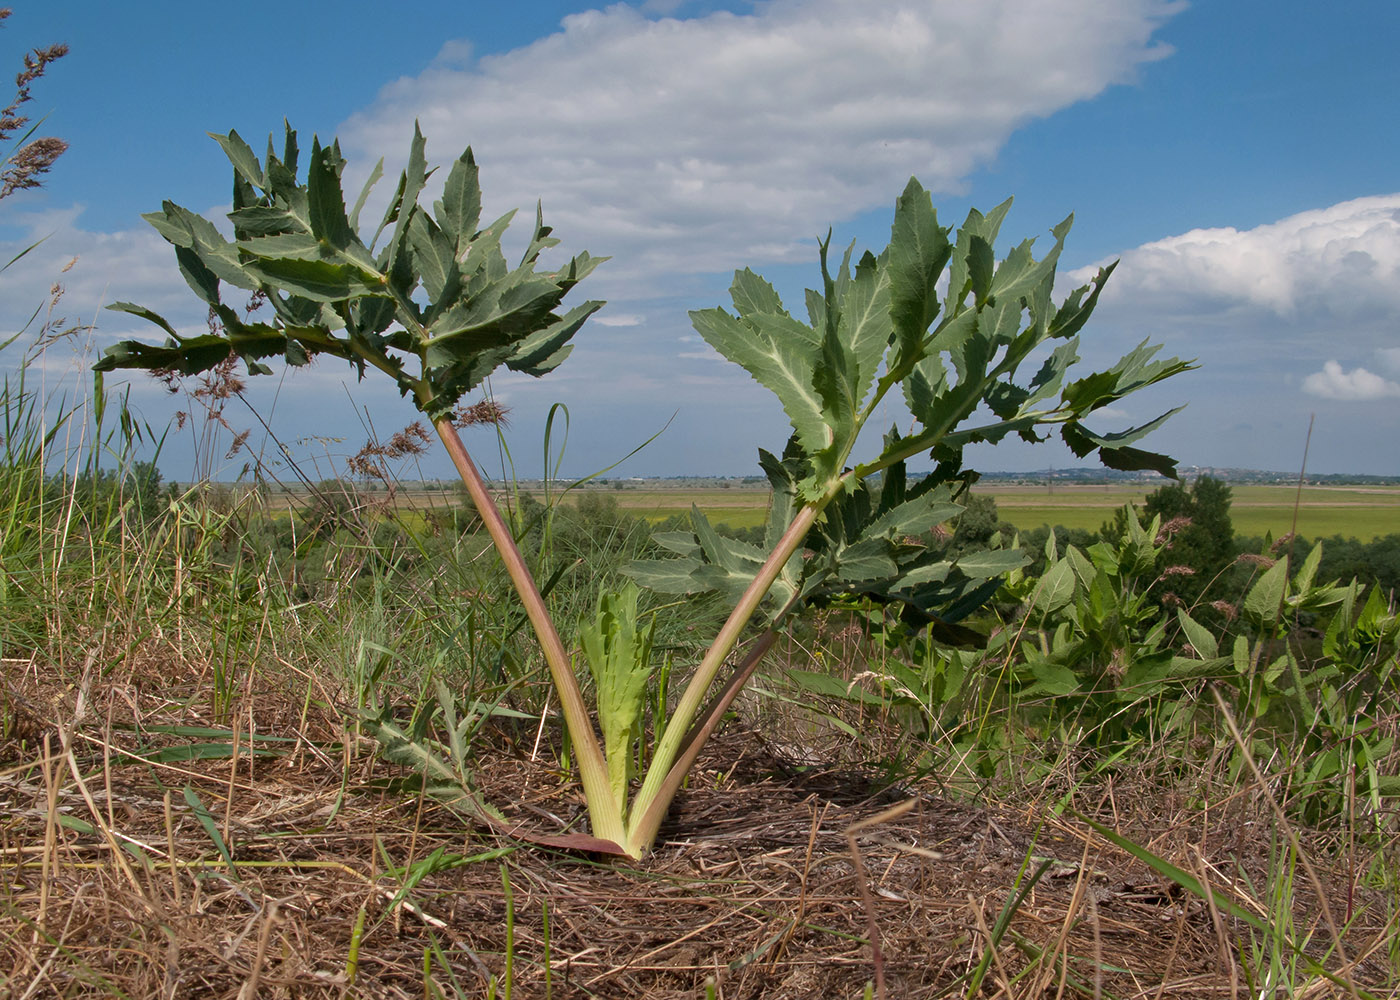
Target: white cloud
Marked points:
693	145
1341	262
134	265
683	147
1390	359
619	319
1357	385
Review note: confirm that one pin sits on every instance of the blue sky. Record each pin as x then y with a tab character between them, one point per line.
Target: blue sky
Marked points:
1239	158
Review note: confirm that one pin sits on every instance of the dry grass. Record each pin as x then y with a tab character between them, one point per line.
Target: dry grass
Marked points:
111	885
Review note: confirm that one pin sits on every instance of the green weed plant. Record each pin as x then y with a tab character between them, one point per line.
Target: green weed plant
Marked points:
427	299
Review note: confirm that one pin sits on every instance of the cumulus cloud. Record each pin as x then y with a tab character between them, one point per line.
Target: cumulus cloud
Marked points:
620	319
1340	262
683	146
687	145
1357	385
132	265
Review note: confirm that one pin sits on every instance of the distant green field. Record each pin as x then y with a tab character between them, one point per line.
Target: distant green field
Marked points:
1360	512
738	508
1363	513
1313	522
1352	512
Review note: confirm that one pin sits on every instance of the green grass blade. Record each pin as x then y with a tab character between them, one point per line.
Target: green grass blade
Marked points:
1193	885
206	820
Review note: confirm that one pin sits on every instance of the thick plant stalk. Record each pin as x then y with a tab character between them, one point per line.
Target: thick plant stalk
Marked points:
709	719
681	744
604	809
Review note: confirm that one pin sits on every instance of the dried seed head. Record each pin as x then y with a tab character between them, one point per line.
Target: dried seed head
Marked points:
239	440
851	632
1252	559
29	163
1227	609
1171	528
488	411
412	440
24	167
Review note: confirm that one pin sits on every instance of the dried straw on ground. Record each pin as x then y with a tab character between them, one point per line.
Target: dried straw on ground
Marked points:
346	884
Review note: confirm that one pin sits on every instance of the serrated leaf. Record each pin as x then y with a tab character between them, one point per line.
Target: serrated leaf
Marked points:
1055	588
730	554
543	351
435	259
459	211
263	220
917	516
919	251
1050	377
681	542
415	177
1136	460
148	315
493	322
866	329
183	228
284	246
980	264
919	576
317	280
241	155
1266	596
326	201
1198	635
867	559
752	295
991	562
785	367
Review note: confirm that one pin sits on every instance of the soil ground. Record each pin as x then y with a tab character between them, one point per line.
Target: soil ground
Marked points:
773	878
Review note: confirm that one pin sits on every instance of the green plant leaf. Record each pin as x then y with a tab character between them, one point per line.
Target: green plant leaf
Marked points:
618	651
1198	635
206	820
1266	596
194	751
325	201
1055	589
991	562
459	210
919	252
244	160
317	280
827	686
779	358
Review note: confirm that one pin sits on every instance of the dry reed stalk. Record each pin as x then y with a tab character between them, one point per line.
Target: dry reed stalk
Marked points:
1060	948
170	850
991	944
877	956
1289	832
1224	953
